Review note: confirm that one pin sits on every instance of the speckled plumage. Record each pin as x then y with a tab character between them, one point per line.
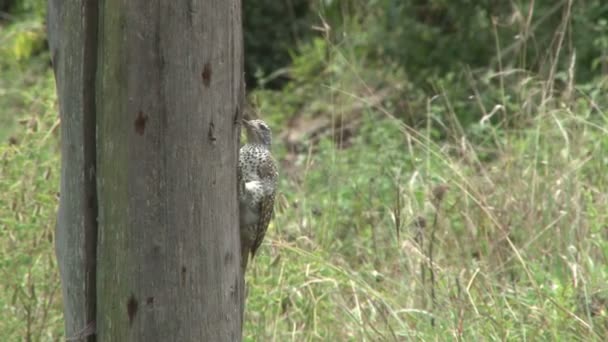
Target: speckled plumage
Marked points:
257	181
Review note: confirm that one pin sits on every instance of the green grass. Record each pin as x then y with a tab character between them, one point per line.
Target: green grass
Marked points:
520	249
368	244
30	295
420	221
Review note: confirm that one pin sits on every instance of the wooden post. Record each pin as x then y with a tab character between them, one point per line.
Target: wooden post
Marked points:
147	238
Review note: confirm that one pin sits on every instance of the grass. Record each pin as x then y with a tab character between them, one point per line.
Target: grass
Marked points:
30	295
396	220
369	245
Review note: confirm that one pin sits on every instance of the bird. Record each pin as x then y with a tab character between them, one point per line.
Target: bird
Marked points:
257	186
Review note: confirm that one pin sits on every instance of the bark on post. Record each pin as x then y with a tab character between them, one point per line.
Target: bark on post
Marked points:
72	32
150	95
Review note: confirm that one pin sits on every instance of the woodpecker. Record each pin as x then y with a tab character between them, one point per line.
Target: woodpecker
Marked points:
257	184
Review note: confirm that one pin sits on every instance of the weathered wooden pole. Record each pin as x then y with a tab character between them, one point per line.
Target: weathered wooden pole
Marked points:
147	237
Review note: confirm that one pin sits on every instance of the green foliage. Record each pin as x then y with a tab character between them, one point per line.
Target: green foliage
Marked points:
443	47
30	295
271	29
431	38
519	251
22	59
20	42
517	246
36	8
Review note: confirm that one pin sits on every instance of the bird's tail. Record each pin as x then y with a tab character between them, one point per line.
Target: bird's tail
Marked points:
244	258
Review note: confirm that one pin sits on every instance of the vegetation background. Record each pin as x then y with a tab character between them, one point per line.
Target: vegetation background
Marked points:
444	171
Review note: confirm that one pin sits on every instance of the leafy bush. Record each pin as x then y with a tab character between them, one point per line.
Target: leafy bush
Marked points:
271	29
36	8
432	38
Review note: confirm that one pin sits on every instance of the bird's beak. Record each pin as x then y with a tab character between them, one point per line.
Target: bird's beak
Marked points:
247	123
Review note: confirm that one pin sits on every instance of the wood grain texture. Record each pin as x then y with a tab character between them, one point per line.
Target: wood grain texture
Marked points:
72	32
166	87
169	81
